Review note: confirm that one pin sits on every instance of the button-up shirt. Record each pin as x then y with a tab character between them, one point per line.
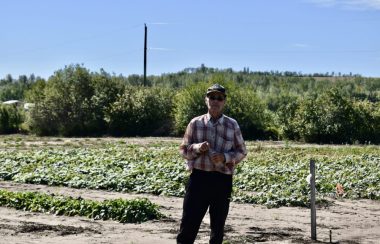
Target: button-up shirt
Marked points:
224	136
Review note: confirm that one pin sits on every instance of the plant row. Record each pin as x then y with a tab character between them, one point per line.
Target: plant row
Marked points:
124	211
269	176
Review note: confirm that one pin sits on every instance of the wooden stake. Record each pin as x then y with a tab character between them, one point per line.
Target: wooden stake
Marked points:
330	236
312	201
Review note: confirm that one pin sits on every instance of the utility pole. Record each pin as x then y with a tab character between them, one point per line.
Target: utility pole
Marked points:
145	50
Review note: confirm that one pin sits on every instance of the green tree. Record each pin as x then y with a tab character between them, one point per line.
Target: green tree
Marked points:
141	111
11	118
189	103
107	89
331	117
65	106
242	104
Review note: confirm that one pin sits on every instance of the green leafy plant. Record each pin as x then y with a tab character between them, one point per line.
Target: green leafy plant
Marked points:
124	211
269	176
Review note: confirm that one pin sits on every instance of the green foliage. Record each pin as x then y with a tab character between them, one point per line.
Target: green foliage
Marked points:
11	92
278	177
269	176
189	103
367	122
272	83
106	91
330	117
141	111
242	104
72	102
124	211
286	112
269	105
64	106
155	170
11	89
75	103
36	91
11	118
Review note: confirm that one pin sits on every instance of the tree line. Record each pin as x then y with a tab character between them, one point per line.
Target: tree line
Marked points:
268	105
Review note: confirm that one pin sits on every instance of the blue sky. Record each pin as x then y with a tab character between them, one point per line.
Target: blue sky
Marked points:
42	36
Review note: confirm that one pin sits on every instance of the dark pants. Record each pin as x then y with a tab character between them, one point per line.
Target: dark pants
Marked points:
205	190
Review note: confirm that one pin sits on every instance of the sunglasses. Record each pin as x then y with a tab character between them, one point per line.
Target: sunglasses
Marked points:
219	98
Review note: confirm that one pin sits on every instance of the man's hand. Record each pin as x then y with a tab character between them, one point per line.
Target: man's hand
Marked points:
217	158
230	165
204	147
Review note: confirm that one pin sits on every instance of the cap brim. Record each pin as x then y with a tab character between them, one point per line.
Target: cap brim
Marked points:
218	92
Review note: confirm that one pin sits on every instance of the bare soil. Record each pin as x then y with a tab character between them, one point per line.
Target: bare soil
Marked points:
349	222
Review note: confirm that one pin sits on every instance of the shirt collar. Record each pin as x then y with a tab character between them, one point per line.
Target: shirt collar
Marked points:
220	120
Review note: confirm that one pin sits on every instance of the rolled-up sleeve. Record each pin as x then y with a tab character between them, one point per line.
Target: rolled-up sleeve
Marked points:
188	149
239	151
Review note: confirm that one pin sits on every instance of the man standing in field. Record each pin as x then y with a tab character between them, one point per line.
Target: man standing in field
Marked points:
212	146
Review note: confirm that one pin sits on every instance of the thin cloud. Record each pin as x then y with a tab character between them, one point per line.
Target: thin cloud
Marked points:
363	4
349	4
324	3
160	49
300	45
158	23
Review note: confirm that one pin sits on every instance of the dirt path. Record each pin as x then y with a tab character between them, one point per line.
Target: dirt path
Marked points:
350	222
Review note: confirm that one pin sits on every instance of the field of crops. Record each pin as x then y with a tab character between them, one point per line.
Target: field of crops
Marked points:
272	174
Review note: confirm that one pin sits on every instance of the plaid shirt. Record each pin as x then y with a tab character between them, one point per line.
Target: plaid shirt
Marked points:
223	136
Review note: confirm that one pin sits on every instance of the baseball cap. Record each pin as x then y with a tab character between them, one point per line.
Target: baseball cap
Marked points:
216	88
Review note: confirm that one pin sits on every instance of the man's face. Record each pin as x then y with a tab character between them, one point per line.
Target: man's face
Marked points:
215	103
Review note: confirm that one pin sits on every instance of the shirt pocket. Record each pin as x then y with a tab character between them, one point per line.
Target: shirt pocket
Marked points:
227	145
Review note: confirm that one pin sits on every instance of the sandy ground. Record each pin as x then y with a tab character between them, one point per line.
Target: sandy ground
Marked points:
350	222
